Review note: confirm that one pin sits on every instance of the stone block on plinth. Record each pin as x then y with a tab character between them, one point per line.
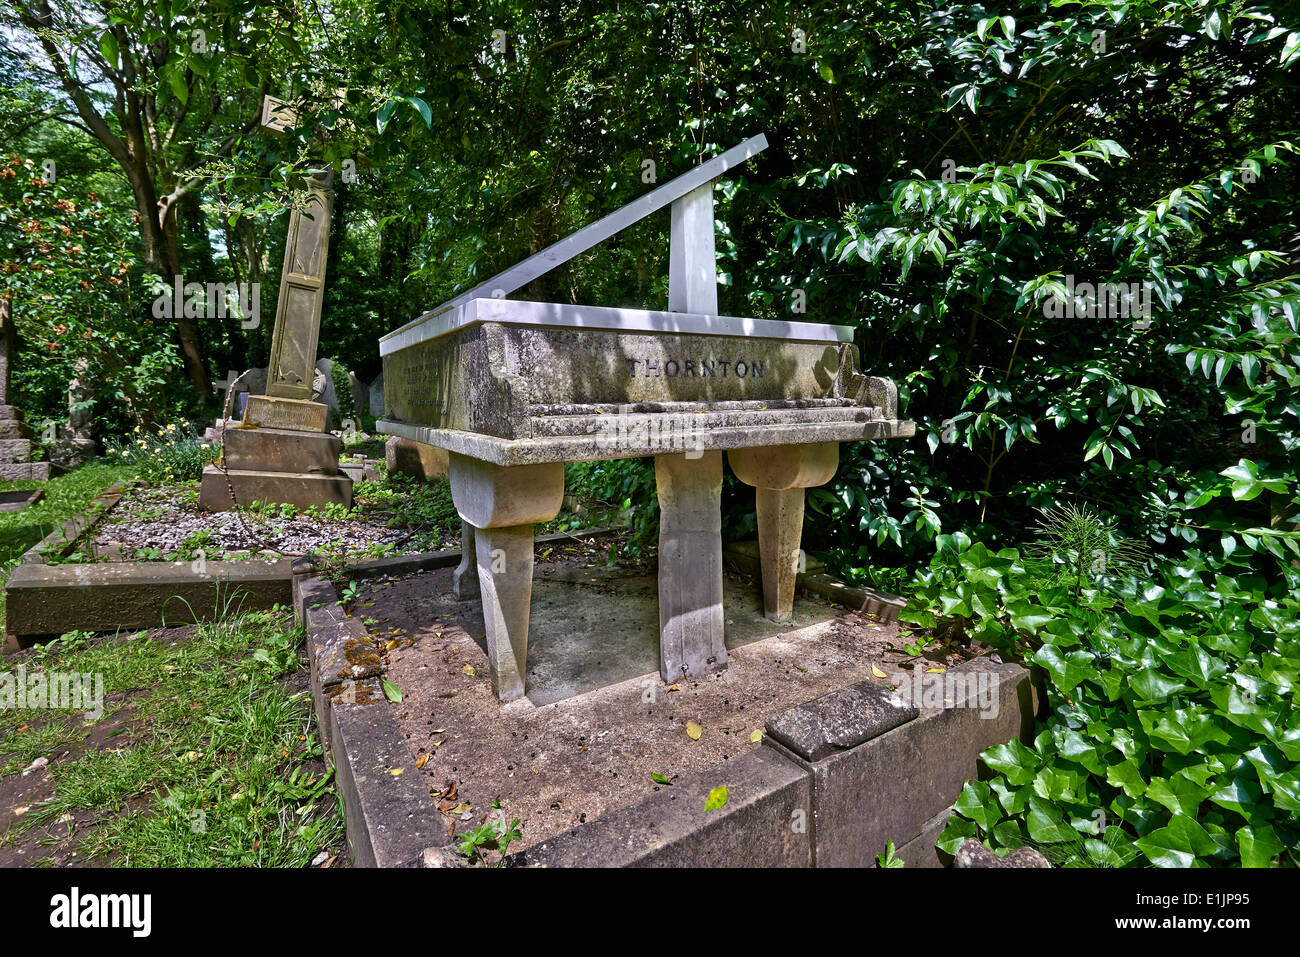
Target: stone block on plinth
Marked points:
275	412
281	450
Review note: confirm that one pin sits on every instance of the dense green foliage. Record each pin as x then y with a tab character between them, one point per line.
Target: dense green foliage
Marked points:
961	184
1172	739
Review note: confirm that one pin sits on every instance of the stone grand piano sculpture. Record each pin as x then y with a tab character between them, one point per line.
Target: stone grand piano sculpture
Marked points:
514	389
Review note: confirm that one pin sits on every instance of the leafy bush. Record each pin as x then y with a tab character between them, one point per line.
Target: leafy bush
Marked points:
1172	738
343	390
165	455
623	485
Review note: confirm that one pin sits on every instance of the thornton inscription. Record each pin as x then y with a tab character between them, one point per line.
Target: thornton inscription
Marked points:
720	368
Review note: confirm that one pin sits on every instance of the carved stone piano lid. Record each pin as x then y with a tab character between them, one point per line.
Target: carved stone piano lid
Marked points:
571	316
506	282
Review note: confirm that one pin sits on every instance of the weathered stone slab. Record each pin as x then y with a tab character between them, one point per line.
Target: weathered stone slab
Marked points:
271	412
17	501
14	450
415	458
14	429
913	772
53	599
390	817
303	489
764	823
840	720
921	851
25	471
483	378
281	450
589	448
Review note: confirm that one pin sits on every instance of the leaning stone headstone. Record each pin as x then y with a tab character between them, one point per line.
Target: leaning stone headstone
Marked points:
360	394
281	451
416	459
377	396
326	392
15	434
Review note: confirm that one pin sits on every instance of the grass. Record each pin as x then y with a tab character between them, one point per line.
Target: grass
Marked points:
65	496
219	766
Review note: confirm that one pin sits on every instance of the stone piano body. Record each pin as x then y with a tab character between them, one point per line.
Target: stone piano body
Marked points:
513	389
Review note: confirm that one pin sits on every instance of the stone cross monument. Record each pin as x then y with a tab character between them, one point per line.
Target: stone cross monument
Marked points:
281	451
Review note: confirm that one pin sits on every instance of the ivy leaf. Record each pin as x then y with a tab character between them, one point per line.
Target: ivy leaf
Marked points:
1258	844
1177	844
977	803
1014	760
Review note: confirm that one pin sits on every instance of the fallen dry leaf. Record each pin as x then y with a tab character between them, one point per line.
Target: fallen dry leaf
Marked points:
421	761
876	672
693	730
756	737
469	670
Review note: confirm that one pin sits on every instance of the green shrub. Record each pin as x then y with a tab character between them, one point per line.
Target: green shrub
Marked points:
624	485
1172	739
167	455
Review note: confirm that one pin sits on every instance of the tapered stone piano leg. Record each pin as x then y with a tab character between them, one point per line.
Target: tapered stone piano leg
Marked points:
501	505
505	574
779	474
690	564
464	579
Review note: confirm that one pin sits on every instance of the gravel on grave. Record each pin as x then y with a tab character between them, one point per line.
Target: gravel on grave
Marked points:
151	518
592	731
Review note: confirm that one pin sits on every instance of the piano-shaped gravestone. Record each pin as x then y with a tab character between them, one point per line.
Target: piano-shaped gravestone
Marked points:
514	389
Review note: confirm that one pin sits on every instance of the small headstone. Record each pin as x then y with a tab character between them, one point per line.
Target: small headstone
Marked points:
377	396
323	384
360	394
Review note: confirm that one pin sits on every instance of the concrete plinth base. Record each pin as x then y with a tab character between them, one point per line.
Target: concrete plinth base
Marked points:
25	471
303	489
690	565
274	412
415	458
